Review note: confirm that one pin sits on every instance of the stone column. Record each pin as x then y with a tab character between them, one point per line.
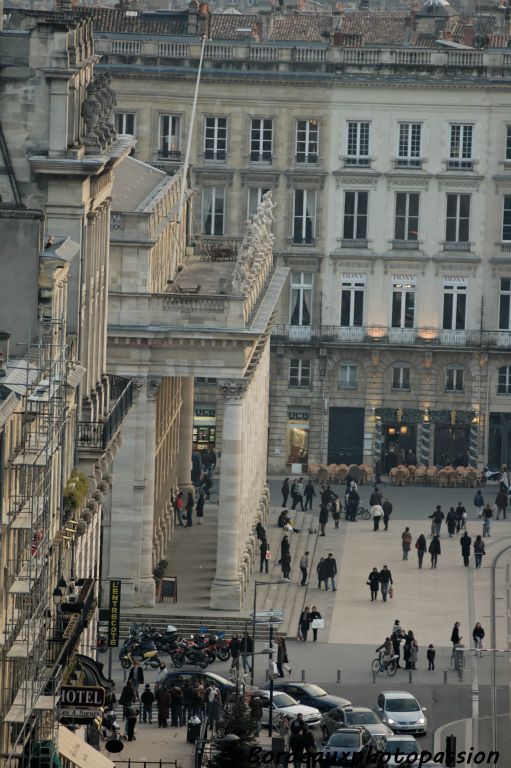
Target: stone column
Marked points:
146	585
184	473
226	587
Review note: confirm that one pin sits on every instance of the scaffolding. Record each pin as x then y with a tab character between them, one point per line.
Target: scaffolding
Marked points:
33	490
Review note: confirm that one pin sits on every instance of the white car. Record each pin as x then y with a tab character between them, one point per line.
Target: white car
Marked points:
284	705
402	712
406	745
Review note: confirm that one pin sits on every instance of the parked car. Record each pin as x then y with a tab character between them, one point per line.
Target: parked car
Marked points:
309	694
406	745
402	712
286	705
350	746
179	677
341	717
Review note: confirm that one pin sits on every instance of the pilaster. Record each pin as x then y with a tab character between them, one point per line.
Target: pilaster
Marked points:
186	436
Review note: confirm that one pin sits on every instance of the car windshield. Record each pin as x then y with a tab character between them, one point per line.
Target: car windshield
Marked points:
406	747
314	690
361	718
351	740
283	700
402	705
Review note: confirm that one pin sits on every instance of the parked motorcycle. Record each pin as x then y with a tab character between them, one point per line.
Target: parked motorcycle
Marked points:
145	652
190	654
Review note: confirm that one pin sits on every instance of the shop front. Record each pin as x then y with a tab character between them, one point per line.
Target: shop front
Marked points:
452	445
297	440
400	444
499	440
346	436
204	426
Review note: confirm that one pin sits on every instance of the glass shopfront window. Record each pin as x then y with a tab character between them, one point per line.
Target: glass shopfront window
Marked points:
297	442
204	427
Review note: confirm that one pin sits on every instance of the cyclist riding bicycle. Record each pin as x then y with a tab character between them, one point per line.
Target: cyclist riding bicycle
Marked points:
388	650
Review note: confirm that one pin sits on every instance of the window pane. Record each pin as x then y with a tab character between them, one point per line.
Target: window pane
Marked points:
506	219
397	298
362	202
409	309
460	311
504	312
345	308
358	313
464	206
447	315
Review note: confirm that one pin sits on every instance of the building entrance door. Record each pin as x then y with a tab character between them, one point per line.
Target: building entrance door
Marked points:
346	436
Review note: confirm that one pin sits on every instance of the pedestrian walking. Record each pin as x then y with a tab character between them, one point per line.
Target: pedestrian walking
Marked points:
461	517
437	518
132	713
147	700
321	571
214	711
304	568
285	546
330	571
434	550
450	521
285	491
247	647
260	531
386	582
297	739
478	637
421	546
304	624
353	501
162	697
478	503
256	713
430	655
235	648
373	582
282	658
406	542
397	637
189	510
136	677
487	515
387	511
310	749
502	501
126	699
377	514
413	651
298	495
456	638
375	497
465	543
176	706
336	511
323	518
199	508
309	494
265	555
314	614
285	564
479	550
178	507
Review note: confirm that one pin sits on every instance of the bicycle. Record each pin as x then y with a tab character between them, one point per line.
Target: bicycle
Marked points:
212	497
361	514
380	665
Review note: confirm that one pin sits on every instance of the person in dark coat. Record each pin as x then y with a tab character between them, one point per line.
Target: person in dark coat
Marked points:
281	655
323	518
256	712
247	647
330	571
336	511
461	516
478	637
297	739
465	543
136	677
421	546
375	497
437	518
147	699
434	550
314	614
320	569
200	508
502	501
235	648
285	564
176	706
373	581
451	522
189	510
385	582
162	705
131	720
285	547
309	494
260	531
304	624
264	549
353	502
455	635
387	511
479	550
285	492
127	698
430	655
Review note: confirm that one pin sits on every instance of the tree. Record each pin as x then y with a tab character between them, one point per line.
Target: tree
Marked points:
234	754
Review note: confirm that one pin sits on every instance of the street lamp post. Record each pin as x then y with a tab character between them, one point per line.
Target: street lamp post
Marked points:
256	584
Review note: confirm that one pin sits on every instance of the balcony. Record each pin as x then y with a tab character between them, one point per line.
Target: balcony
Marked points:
260	158
172	155
213	156
306	159
381	335
405	245
357	162
408	162
459	164
96	435
350	242
457	245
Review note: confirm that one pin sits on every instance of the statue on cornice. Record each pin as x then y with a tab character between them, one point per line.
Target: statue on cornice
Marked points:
91	112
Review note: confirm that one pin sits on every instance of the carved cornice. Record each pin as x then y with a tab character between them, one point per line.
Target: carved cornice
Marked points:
153	387
407	182
223	175
343	179
233	389
260	176
459	182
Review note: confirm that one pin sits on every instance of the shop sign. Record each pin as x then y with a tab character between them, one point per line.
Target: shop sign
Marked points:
83	697
114	613
201	412
298	415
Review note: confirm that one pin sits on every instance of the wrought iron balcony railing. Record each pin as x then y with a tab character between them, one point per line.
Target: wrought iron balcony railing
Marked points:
97	434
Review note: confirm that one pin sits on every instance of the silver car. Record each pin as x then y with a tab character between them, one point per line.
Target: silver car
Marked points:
402	712
342	717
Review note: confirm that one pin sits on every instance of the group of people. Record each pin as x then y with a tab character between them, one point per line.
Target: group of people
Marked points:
380	581
184	509
478	634
308	619
391	648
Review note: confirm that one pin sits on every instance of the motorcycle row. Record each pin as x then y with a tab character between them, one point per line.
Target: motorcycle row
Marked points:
145	645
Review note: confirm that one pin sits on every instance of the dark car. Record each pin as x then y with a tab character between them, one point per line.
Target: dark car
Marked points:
350	746
343	717
179	677
310	695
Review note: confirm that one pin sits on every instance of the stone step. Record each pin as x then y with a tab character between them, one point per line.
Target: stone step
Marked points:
187	625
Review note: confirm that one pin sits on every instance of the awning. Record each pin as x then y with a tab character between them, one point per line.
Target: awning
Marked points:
79	752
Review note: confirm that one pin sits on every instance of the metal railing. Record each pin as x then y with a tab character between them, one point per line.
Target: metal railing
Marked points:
385	335
148	763
97	434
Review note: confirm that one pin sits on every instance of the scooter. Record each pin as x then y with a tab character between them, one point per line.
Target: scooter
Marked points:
146	653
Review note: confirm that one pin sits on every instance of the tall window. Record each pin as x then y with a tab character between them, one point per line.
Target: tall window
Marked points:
255	195
508	142
304	216
307	138
215	138
261	140
355	215
455	307
348	374
170	136
409	145
403	305
301	298
454	379
504	380
213	210
460	146
352	303
406	225
125	122
358	144
505	304
506	219
401	377
457	224
299	373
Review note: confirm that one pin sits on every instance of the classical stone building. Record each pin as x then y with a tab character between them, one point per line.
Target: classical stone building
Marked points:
385	142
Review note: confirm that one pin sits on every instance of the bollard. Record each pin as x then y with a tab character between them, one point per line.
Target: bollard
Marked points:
410	676
374	676
446	672
303	675
338	675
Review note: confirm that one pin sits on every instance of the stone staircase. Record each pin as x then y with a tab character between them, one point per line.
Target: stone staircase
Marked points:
188	625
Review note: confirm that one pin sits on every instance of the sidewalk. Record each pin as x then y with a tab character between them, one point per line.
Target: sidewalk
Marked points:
153	743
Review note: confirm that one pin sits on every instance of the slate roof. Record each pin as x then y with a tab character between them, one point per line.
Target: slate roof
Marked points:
300	26
134	181
115	20
373	28
224	26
